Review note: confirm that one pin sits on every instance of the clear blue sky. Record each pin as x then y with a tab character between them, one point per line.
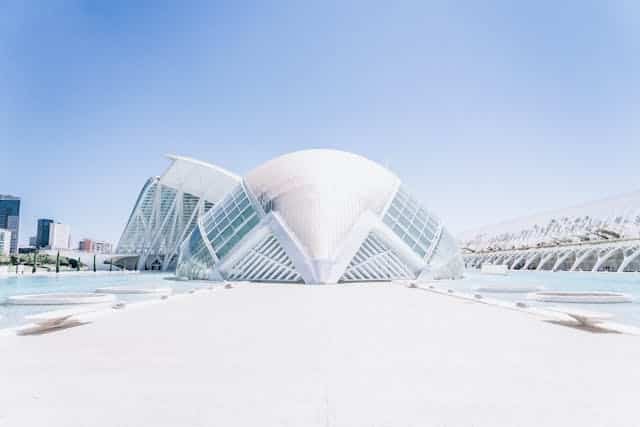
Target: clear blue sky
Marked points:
487	110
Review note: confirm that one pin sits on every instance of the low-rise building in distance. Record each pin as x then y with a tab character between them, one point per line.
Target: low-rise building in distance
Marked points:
59	236
97	246
5	242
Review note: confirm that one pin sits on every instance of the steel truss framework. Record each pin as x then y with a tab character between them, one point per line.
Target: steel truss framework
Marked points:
375	260
167	210
160	221
615	256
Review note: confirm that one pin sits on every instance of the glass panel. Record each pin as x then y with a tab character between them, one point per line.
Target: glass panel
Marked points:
393	212
237	222
412	223
228	232
408	240
243	203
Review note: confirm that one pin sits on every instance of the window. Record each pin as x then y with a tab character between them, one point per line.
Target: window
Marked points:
229	221
412	223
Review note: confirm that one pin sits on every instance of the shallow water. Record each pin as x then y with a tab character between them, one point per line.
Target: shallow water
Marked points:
628	283
12	315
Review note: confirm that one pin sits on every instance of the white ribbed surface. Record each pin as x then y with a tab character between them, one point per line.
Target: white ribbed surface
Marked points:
321	193
199	178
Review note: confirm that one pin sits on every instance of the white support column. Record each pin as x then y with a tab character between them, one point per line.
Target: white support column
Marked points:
545	258
530	259
629	259
601	259
581	258
562	259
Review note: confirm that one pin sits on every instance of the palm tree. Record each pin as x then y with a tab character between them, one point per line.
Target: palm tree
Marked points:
35	261
58	262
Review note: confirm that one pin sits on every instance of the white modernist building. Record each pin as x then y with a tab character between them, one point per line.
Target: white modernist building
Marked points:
59	236
167	209
597	236
318	216
5	242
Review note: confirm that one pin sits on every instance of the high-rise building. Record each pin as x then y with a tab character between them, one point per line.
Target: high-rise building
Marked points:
42	236
10	218
33	241
5	242
59	236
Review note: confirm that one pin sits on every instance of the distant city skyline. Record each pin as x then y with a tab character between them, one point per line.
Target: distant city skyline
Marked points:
489	112
10	220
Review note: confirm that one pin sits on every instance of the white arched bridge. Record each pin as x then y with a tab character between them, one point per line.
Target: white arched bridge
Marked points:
598	236
620	256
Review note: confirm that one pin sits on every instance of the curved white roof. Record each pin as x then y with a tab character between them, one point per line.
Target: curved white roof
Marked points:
321	194
199	178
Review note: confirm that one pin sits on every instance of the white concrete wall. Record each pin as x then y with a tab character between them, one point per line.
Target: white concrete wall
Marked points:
59	236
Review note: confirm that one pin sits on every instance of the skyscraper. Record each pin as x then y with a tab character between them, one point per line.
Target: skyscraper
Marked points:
42	237
10	218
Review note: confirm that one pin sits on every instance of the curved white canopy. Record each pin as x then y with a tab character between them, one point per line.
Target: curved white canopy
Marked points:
199	178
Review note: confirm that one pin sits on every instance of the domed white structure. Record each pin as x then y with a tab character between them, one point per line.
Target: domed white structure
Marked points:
318	216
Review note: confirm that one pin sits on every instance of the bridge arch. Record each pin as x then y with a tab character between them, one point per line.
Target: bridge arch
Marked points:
533	261
548	261
631	261
610	261
565	261
586	260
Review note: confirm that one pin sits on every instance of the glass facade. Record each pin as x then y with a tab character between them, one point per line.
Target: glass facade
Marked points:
42	235
235	216
290	222
195	260
230	221
446	260
412	223
224	227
